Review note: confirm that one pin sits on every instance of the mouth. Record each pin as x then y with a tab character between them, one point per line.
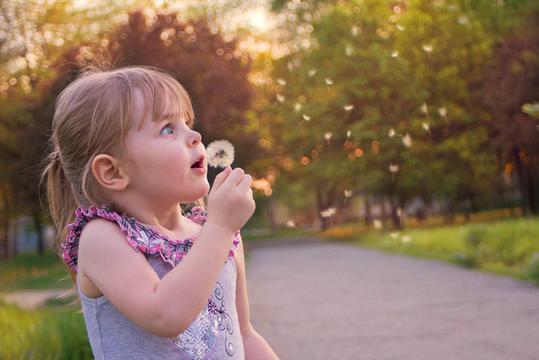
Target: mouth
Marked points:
199	164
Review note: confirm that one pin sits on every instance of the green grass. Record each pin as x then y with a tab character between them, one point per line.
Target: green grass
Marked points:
33	271
54	332
504	247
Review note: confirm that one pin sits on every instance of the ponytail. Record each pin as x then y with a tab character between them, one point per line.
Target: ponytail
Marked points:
61	202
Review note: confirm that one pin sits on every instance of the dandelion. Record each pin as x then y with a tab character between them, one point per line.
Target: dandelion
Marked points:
349	50
348	134
280	97
220	153
281	81
394	235
407	140
393	168
463	20
395	54
328	81
406	239
297	107
427	48
312	72
306	117
348	107
391	132
348	193
425	126
399	27
377	224
354	30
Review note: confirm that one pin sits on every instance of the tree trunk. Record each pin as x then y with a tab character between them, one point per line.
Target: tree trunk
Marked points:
521	173
39	232
394	215
368	217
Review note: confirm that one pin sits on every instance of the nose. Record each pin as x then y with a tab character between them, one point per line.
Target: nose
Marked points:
195	138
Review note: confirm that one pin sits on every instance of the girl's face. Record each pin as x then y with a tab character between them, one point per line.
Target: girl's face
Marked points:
162	153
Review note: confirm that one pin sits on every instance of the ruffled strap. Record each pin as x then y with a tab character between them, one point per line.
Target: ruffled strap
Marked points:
142	238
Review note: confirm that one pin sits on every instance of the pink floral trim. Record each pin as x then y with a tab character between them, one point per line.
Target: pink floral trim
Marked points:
141	237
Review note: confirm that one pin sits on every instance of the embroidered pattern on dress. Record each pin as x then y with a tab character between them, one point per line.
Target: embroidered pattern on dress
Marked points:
226	323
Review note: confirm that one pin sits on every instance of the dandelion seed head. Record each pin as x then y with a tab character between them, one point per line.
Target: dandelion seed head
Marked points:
280	97
425	126
297	107
395	54
306	117
328	81
348	193
427	48
312	72
424	109
391	132
393	168
348	133
220	153
442	111
348	107
328	135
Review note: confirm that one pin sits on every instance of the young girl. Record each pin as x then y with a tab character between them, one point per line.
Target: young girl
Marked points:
153	283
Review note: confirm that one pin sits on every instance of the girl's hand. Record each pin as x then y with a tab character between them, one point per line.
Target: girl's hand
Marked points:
230	201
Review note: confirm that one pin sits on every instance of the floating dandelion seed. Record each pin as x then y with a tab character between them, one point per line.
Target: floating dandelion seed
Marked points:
290	224
306	117
442	111
427	47
463	20
328	81
329	212
391	132
354	30
280	97
220	153
406	239
424	109
328	136
349	50
377	224
312	72
395	54
348	193
297	107
348	107
399	27
425	126
348	134
281	81
407	140
394	235
393	169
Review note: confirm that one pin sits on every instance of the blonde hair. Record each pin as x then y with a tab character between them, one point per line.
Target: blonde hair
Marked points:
93	115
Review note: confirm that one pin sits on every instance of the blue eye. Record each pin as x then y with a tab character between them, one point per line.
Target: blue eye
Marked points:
167	126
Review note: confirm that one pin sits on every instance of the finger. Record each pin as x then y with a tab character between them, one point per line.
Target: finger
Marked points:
245	183
221	177
234	178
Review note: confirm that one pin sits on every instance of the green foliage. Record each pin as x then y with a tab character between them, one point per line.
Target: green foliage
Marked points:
50	333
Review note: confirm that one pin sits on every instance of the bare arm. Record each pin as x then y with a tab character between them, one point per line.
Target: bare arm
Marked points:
167	306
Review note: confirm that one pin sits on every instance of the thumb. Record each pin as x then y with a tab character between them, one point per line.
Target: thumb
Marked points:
220	178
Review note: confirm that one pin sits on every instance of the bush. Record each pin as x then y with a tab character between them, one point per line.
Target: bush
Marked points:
533	268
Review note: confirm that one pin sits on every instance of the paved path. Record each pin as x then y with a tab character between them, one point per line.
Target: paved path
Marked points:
314	300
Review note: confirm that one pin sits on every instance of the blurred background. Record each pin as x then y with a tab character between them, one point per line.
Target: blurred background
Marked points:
402	125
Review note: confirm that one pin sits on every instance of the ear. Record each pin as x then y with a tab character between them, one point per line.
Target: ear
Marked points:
108	172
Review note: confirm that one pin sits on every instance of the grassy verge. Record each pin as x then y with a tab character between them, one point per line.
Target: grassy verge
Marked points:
33	271
508	247
54	332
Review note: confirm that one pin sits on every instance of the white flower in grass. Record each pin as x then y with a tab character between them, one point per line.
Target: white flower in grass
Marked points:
329	212
394	235
391	132
349	50
220	153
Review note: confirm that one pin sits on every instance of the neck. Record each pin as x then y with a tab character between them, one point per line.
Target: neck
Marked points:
149	213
